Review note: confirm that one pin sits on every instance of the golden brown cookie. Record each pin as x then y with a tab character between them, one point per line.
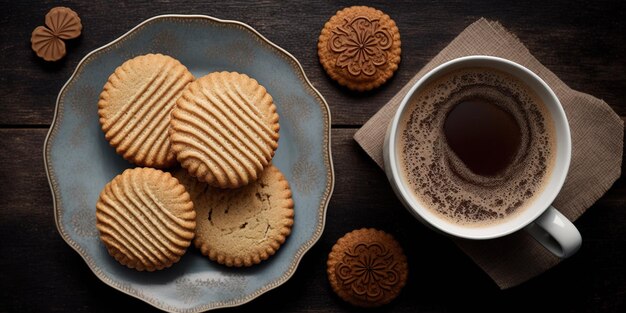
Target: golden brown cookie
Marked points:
224	129
367	268
135	108
146	219
359	47
241	227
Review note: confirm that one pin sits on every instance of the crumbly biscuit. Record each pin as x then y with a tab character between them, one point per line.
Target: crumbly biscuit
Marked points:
359	47
241	227
224	129
145	218
367	268
135	107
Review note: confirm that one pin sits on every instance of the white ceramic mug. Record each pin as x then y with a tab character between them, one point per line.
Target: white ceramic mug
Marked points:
540	219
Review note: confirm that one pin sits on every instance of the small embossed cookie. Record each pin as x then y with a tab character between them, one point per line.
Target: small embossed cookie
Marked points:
359	47
244	226
367	268
135	107
145	218
61	24
224	129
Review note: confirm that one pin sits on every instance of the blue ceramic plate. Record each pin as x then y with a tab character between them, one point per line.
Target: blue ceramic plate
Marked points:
79	161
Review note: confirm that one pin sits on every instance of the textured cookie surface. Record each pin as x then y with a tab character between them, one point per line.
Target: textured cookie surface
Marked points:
135	107
225	129
367	268
241	227
359	47
145	218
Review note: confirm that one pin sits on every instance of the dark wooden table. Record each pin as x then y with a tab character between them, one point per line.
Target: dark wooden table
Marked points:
584	43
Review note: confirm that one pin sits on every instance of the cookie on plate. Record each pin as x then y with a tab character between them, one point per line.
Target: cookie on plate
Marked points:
359	47
244	226
224	129
135	107
367	268
145	218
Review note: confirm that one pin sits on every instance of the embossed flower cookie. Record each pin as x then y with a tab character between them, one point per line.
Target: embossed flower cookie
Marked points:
359	47
367	268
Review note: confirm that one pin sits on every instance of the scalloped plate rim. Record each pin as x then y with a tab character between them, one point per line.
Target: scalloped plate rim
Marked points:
331	172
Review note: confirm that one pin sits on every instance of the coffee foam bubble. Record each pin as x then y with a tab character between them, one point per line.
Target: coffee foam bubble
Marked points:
441	181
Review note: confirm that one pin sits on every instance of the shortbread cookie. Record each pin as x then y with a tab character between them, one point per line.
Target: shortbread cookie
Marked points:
241	227
146	219
359	47
367	268
135	108
224	129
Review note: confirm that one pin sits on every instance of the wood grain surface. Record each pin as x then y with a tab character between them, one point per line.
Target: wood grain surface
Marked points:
583	42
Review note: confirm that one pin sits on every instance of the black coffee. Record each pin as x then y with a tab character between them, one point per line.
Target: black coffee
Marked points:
482	134
476	145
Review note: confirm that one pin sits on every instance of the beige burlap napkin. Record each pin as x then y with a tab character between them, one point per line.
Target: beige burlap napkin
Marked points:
597	140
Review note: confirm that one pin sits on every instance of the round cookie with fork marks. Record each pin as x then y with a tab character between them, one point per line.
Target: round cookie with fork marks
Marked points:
243	226
145	218
224	129
135	107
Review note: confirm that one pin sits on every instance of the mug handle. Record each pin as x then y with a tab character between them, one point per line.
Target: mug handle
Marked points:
556	233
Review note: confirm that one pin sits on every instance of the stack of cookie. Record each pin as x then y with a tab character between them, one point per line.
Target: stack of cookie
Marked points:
227	197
